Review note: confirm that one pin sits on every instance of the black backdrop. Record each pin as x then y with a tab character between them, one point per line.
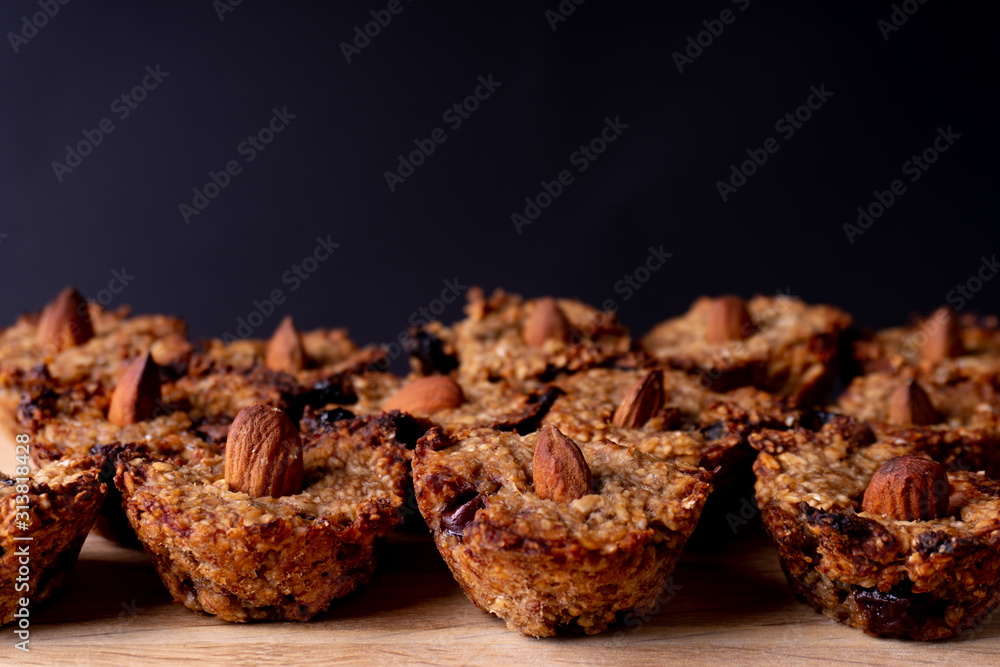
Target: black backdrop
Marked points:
887	91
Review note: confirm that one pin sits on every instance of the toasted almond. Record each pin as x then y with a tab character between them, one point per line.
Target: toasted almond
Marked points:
728	319
545	322
426	396
559	471
944	337
264	453
137	392
908	488
910	404
64	322
641	402
284	351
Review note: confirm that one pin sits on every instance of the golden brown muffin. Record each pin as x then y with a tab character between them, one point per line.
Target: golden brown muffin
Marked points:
101	342
944	346
462	405
226	552
778	344
904	399
504	336
62	501
898	569
556	548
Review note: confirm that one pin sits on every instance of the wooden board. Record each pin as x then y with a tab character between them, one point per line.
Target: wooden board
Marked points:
728	607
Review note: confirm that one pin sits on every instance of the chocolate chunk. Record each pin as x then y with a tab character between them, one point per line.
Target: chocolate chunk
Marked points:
861	434
715	430
454	521
333	389
174	370
816	419
327	417
429	351
897	613
213	431
527	419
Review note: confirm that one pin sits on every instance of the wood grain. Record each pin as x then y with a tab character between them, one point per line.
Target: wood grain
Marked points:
728	607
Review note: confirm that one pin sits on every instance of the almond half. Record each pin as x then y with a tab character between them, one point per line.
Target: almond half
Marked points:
64	322
284	350
944	338
642	401
264	453
728	319
547	321
137	392
559	470
426	396
910	404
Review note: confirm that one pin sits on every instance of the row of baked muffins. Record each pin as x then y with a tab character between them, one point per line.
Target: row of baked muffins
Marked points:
560	465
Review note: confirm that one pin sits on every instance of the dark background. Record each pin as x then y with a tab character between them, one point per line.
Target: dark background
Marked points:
655	185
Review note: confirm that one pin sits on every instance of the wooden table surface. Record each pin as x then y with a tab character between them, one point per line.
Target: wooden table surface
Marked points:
731	606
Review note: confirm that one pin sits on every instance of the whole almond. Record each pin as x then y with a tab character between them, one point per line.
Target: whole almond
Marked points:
728	319
264	453
64	322
944	338
426	396
547	321
908	488
137	392
910	404
641	402
284	351
559	470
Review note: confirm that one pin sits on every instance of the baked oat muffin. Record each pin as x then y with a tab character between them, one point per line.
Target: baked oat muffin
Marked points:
183	408
670	415
944	346
283	525
80	343
554	537
62	502
465	405
899	547
902	399
662	412
778	344
309	356
504	336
